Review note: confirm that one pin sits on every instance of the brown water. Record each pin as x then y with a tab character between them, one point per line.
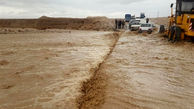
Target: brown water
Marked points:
148	72
45	70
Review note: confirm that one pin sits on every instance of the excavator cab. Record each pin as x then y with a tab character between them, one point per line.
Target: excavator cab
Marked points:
181	23
185	7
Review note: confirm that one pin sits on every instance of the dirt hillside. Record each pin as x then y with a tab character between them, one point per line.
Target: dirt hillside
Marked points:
89	23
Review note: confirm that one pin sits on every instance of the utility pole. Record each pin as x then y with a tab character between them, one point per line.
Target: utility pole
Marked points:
158	13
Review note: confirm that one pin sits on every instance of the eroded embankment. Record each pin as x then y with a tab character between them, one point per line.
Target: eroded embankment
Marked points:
93	90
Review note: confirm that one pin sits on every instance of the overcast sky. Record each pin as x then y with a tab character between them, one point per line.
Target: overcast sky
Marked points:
83	8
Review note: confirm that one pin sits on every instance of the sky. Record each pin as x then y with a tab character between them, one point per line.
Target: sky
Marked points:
83	8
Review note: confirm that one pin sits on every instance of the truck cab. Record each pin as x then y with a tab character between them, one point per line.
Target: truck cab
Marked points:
184	17
142	15
127	17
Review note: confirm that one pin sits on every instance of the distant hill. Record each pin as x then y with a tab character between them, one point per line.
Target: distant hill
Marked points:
160	21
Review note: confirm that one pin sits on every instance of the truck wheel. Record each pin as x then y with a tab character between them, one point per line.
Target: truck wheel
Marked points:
178	34
171	33
149	31
140	31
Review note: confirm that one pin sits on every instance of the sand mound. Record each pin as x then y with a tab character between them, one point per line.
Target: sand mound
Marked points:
44	17
44	22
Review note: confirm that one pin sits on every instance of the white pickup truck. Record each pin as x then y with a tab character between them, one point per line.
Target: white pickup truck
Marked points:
135	26
146	27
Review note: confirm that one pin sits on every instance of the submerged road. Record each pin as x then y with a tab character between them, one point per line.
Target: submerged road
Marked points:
147	72
95	70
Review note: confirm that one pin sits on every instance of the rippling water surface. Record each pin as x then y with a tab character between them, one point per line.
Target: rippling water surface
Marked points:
148	72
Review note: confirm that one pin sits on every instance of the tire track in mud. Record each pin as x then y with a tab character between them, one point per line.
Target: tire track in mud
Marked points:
93	89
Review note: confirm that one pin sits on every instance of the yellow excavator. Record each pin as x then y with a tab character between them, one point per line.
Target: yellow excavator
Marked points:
181	23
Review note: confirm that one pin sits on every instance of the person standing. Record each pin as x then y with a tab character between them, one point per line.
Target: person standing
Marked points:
116	24
147	20
123	24
119	27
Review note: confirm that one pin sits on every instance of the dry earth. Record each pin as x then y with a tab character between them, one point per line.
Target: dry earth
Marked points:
89	23
160	21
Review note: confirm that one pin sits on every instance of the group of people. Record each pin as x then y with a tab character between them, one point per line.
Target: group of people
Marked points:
119	24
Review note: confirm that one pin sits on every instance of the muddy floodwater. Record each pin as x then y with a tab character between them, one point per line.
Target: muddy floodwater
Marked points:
45	70
148	72
95	70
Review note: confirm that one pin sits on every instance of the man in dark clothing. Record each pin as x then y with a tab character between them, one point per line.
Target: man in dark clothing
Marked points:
116	24
147	20
123	24
120	24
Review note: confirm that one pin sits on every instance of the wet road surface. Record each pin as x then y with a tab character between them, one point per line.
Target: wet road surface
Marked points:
148	72
47	70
